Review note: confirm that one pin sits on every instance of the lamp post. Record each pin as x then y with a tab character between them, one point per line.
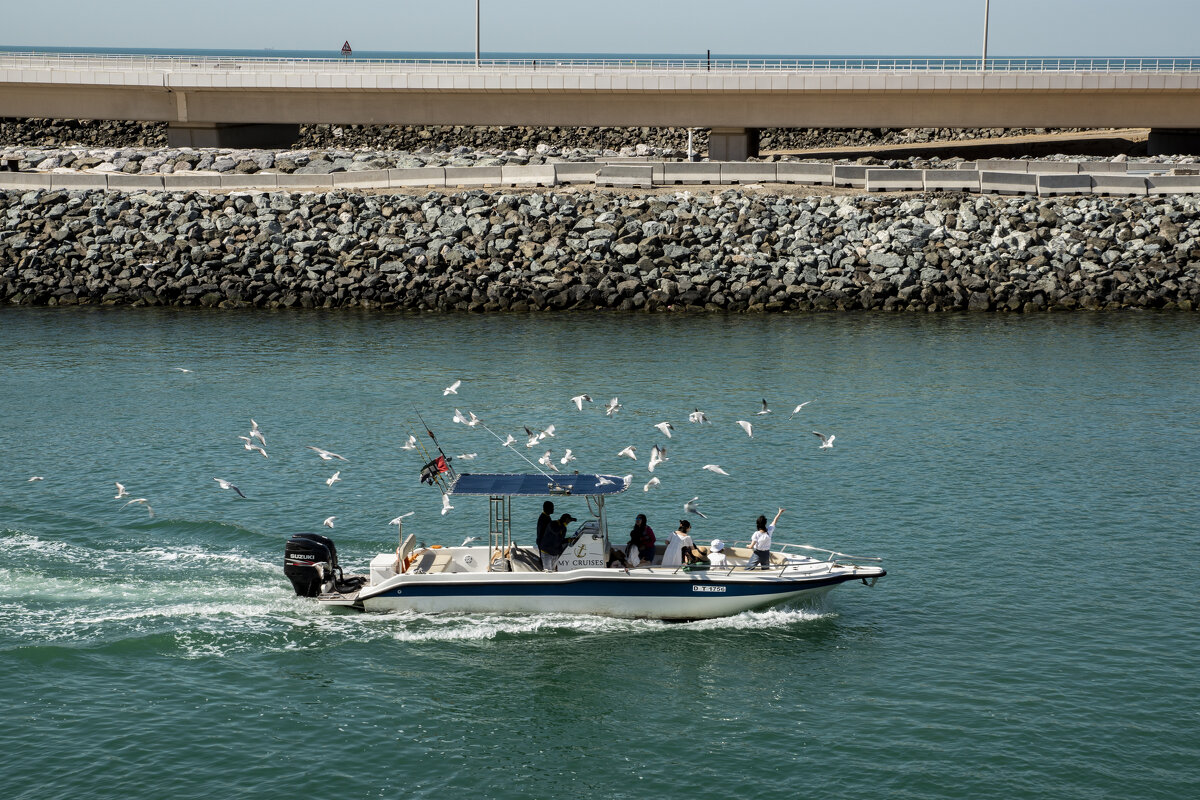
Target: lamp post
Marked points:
983	63
477	33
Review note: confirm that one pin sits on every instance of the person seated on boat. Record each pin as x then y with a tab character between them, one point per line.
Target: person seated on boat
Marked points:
760	542
641	542
716	554
680	547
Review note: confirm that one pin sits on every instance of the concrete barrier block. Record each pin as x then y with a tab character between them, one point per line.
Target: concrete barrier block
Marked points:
26	180
1148	166
951	180
120	180
810	174
748	172
691	172
849	175
1173	184
362	179
258	180
1001	165
185	180
656	166
295	181
576	172
1108	184
1052	184
1007	183
418	176
1056	167
536	175
1103	166
895	180
628	175
79	180
474	176
968	165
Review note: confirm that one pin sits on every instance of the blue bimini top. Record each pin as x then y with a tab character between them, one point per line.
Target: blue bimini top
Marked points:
501	484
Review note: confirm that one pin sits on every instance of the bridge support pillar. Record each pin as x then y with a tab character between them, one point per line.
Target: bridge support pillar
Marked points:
220	134
1173	141
732	144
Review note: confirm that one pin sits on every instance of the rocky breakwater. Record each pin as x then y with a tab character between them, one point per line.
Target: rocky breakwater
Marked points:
493	251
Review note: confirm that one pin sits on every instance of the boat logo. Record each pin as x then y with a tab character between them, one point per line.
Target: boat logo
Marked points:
699	588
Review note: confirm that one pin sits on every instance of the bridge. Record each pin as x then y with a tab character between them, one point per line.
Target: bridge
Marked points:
248	102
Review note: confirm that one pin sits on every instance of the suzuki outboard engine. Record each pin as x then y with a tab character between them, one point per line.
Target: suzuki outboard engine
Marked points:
310	563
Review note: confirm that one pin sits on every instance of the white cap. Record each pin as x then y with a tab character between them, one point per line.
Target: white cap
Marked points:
718	545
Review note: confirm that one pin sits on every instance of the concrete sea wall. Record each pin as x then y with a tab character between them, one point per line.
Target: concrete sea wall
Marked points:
557	250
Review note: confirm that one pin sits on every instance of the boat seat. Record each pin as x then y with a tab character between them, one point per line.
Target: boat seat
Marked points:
432	561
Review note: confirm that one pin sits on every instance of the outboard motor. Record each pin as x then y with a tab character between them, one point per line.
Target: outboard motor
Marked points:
310	563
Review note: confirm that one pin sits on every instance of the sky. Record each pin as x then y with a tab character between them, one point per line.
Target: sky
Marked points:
744	27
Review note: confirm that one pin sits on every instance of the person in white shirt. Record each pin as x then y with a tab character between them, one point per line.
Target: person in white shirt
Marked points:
760	542
681	548
716	554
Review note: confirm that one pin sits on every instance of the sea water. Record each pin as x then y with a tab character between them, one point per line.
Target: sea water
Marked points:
1030	482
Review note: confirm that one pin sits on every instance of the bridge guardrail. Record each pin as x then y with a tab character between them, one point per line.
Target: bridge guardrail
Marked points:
96	61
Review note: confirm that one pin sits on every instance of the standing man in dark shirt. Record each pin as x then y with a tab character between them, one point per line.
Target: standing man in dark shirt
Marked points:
546	536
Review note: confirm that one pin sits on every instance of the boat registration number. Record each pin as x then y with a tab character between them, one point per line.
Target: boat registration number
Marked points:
699	588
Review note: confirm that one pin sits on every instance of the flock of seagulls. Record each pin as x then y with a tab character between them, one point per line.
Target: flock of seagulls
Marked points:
255	441
658	452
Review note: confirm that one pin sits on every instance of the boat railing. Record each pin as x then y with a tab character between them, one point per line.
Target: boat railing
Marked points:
829	555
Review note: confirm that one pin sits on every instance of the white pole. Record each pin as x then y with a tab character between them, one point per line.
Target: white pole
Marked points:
983	63
689	144
477	33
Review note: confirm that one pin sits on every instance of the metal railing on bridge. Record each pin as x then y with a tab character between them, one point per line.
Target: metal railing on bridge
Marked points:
108	62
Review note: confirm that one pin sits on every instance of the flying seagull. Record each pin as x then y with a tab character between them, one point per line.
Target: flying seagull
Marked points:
468	540
141	501
826	441
715	468
507	440
411	444
35	478
613	407
765	410
630	451
326	455
547	461
181	369
747	427
255	433
400	519
650	484
224	484
446	504
657	456
334	478
666	428
452	388
567	457
328	523
580	399
249	444
690	507
467	456
796	410
120	491
698	416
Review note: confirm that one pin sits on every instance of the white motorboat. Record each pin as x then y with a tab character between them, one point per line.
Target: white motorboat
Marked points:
504	576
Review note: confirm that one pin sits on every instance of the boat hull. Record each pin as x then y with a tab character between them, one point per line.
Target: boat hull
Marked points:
672	595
